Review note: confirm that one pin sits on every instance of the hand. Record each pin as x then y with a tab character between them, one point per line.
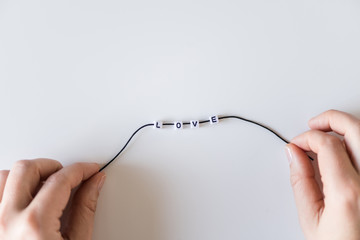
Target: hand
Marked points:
332	213
34	194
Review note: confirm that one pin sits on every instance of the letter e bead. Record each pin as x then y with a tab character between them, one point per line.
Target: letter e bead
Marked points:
214	119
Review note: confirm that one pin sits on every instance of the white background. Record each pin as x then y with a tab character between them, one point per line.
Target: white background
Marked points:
78	77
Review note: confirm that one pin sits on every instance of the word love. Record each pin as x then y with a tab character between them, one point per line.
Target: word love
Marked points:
193	123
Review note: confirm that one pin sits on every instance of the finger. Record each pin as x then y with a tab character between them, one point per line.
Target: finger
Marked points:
343	124
337	121
24	178
80	221
3	177
308	196
54	195
334	163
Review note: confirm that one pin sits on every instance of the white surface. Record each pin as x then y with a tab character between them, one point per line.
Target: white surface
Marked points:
77	77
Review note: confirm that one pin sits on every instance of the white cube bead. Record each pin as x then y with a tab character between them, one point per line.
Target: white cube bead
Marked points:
178	125
158	124
214	119
194	123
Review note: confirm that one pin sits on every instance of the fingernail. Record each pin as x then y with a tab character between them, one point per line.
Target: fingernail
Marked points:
101	182
288	154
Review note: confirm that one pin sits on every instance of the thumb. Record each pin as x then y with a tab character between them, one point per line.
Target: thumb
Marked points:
308	196
82	210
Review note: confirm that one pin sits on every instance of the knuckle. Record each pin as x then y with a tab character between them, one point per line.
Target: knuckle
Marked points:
30	227
295	180
90	205
59	178
350	197
53	161
331	112
354	185
32	222
23	164
77	165
87	206
331	141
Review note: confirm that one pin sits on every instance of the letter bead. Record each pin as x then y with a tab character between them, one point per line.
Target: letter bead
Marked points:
178	125
214	119
194	123
158	124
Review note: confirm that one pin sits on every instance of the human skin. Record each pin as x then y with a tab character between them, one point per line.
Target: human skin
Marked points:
34	194
333	212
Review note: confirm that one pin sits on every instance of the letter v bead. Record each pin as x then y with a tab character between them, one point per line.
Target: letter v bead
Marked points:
194	123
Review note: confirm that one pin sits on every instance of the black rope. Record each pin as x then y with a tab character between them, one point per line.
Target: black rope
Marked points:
259	124
143	126
200	122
